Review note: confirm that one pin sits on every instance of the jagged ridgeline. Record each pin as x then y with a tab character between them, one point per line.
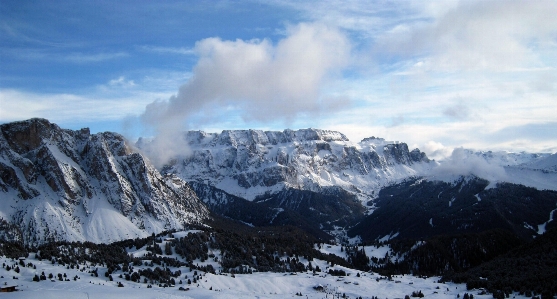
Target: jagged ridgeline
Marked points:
310	178
59	184
250	163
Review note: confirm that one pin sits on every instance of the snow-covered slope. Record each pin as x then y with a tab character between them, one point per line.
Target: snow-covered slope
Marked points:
545	163
251	163
504	158
537	170
58	184
222	286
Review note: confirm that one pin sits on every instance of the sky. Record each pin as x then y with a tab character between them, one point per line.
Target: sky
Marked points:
437	74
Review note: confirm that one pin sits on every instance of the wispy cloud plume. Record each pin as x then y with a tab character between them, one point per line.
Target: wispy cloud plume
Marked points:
72	57
86	58
168	50
266	81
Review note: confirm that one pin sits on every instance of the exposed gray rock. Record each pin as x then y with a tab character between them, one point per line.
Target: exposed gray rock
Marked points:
61	184
254	162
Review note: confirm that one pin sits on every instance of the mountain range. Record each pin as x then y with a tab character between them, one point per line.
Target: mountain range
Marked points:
58	184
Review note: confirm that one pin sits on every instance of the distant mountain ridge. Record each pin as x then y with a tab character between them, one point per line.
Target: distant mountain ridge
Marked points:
293	170
59	184
537	170
299	175
251	163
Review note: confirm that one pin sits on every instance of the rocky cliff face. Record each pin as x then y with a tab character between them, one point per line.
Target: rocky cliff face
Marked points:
58	184
250	163
311	178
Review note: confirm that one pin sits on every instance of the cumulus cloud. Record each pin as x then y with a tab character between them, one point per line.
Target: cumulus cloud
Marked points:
463	162
266	81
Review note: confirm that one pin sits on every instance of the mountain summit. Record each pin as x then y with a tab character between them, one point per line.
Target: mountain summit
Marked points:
59	184
251	163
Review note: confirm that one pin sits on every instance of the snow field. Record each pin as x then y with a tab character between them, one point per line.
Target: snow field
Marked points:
225	285
257	285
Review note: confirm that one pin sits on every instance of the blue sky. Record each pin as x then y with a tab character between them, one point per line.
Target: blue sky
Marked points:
434	74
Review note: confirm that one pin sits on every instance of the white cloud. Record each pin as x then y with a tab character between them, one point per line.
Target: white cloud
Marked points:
121	81
436	150
71	57
266	82
463	162
87	58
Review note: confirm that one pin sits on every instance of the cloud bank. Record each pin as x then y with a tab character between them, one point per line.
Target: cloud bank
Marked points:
472	35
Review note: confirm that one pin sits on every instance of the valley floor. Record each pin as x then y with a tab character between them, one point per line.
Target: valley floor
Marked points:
257	285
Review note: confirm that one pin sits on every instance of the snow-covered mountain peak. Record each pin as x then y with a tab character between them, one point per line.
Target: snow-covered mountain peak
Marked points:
237	138
250	163
59	184
506	158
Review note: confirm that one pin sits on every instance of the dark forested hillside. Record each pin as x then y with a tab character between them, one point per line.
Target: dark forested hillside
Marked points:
308	210
240	248
419	209
530	268
331	206
495	260
446	254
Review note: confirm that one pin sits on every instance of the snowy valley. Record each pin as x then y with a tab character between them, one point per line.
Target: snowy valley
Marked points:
87	280
64	275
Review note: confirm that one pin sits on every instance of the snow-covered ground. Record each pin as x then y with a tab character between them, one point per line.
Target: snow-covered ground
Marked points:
257	285
371	251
